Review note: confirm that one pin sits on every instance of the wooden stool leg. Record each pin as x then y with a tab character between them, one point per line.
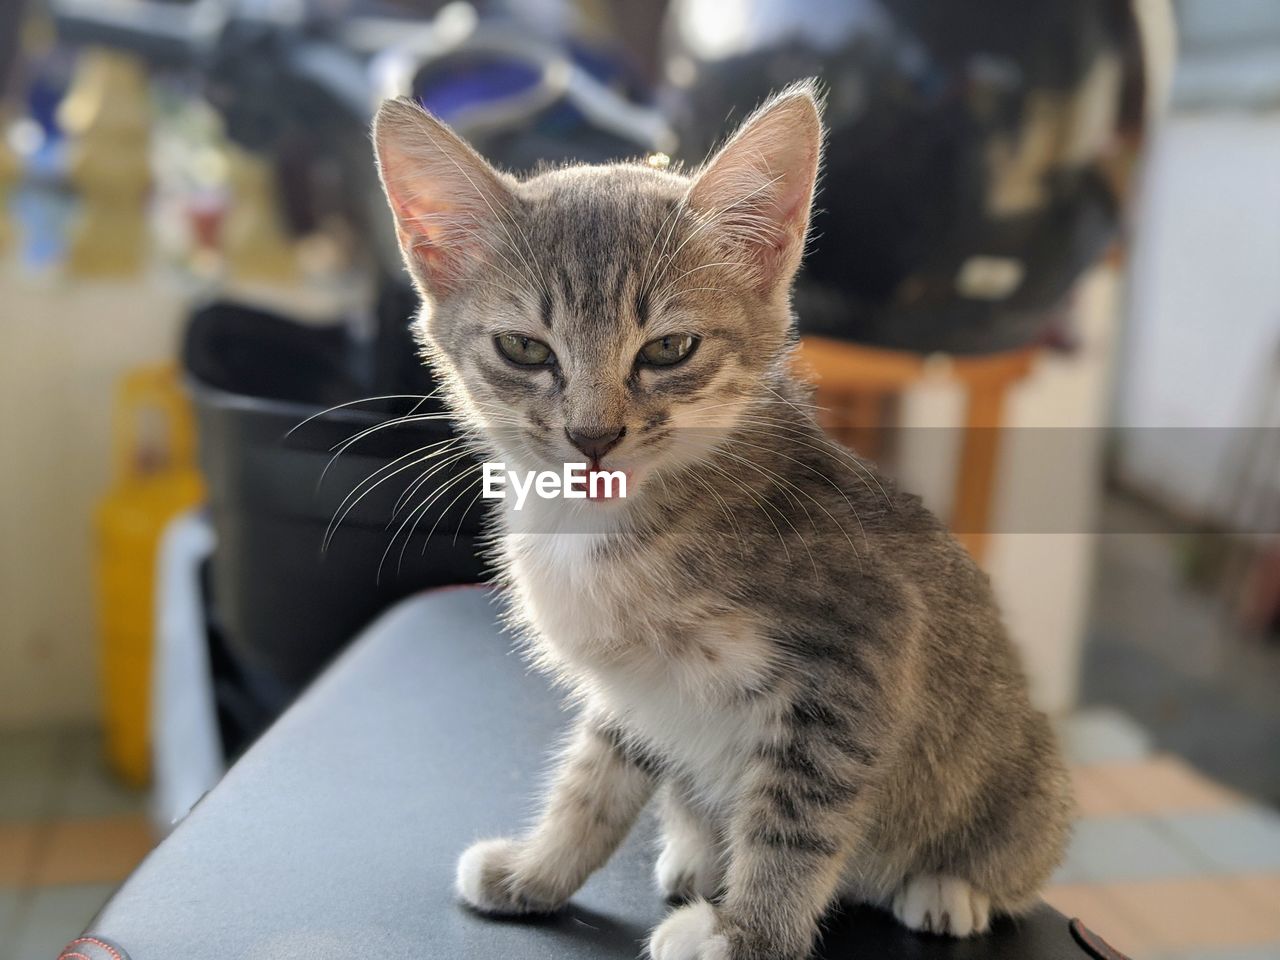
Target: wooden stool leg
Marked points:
979	454
856	419
868	414
858	382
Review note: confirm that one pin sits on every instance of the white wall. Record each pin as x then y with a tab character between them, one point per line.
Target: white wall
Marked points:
1204	317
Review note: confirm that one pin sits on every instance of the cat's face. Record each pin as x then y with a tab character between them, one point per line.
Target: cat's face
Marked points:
618	315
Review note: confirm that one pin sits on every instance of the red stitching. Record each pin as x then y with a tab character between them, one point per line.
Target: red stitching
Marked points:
111	951
1093	942
72	956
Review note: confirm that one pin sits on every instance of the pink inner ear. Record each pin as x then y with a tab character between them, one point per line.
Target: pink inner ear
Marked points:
435	235
443	194
794	197
760	188
414	220
769	229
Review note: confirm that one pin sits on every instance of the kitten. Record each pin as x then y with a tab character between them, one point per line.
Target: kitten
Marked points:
795	655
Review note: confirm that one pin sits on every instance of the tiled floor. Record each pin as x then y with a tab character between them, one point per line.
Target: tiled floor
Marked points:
68	835
1165	863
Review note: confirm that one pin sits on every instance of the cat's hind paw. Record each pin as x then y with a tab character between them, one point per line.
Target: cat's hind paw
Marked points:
488	880
945	905
689	933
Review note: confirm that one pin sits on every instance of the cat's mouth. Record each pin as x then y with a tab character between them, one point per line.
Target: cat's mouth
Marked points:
603	484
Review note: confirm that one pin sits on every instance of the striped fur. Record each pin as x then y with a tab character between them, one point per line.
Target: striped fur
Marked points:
788	648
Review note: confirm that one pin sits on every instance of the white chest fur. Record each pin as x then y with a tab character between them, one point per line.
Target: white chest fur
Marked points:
672	669
560	589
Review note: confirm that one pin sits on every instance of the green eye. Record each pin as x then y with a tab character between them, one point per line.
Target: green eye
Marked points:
524	350
669	350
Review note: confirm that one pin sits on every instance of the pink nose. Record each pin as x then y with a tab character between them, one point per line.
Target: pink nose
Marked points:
595	443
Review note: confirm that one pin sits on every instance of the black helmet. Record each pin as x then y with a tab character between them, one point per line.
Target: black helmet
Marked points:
978	156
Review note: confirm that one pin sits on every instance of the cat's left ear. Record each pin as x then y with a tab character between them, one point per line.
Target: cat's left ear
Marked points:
450	205
758	189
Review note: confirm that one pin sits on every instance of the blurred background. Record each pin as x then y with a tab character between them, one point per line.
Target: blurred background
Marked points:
1044	290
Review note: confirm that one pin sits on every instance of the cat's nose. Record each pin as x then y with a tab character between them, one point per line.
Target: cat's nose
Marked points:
595	443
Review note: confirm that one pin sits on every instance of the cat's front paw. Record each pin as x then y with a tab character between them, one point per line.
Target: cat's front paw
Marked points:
687	869
490	880
689	933
946	905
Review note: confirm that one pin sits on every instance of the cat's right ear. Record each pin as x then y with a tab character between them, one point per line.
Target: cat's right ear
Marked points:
758	189
446	198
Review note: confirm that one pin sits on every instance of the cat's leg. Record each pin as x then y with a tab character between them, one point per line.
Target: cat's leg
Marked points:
789	839
598	791
938	904
691	863
999	860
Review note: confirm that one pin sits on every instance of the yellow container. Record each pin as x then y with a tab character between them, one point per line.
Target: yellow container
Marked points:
155	478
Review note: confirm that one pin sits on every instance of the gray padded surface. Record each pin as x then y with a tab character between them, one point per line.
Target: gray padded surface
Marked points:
335	836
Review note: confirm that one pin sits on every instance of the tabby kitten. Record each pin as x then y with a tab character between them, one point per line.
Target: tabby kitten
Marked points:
795	655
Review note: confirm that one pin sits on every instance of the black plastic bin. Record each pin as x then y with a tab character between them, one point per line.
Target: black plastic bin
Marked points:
283	605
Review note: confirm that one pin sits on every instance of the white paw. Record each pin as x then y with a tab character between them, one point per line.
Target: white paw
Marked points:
934	904
689	933
688	868
487	880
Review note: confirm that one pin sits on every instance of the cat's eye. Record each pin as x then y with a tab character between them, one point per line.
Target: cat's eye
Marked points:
524	350
667	351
